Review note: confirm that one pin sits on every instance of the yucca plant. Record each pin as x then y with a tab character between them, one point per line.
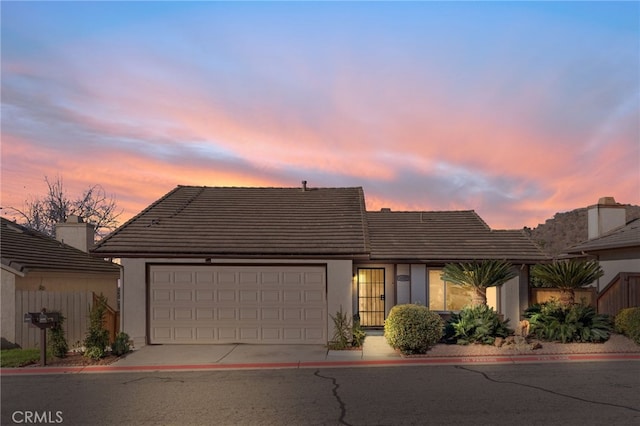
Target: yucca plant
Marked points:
479	276
567	275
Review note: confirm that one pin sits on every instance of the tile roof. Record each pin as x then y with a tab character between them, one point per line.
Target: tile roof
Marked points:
234	221
444	236
627	236
25	250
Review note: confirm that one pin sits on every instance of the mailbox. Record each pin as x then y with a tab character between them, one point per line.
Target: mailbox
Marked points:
42	319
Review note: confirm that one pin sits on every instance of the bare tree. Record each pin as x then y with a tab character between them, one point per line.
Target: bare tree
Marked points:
93	206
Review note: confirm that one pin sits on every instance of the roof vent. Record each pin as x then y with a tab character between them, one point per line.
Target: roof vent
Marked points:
385	209
304	185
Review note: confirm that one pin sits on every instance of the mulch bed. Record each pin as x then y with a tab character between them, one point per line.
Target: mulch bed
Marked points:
74	359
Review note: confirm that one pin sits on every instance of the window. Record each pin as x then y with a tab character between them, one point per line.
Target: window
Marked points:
444	296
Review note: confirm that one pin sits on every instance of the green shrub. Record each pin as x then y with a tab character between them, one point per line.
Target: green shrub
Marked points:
97	338
476	324
121	344
627	322
551	321
413	329
94	352
357	333
57	342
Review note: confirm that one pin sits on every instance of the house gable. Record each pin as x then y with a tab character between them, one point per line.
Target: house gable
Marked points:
233	222
444	236
24	250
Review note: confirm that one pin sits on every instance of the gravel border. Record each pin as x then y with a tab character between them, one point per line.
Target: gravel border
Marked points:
617	343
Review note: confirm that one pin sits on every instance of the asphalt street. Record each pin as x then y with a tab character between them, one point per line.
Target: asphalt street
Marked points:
593	393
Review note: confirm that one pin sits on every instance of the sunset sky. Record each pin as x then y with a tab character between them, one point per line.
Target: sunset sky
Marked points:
516	110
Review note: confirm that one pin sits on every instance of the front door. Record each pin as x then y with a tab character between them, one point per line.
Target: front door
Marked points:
371	296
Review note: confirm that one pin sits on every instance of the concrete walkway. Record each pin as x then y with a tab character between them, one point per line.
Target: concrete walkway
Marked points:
375	352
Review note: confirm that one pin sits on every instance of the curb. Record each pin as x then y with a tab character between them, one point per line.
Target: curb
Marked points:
487	360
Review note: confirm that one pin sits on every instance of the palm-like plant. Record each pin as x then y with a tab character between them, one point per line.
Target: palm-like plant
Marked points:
479	276
567	275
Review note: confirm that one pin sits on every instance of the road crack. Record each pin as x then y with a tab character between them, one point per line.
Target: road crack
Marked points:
336	386
577	398
153	379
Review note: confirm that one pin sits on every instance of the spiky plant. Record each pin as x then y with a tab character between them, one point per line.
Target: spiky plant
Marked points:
567	275
479	276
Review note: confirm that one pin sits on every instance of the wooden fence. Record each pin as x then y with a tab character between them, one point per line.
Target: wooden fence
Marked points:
622	292
111	320
74	306
587	295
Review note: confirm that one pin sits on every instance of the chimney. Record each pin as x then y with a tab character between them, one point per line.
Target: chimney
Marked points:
304	186
76	233
605	216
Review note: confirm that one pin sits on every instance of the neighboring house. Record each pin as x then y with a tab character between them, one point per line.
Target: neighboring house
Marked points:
616	245
612	241
32	261
272	265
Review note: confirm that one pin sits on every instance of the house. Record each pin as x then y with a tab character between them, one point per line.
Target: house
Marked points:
36	263
272	265
616	245
612	241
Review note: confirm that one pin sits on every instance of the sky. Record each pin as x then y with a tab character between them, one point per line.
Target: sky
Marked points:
516	110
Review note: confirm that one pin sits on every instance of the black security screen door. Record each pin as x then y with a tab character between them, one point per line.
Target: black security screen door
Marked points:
371	296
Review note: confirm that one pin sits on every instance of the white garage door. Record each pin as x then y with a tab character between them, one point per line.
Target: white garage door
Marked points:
231	304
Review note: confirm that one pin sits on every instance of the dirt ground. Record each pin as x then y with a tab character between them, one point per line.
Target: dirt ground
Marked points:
75	359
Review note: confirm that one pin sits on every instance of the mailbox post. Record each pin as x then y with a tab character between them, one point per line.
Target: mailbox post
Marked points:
42	320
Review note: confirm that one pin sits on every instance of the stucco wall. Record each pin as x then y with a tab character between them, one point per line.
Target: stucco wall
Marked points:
514	296
68	282
615	262
8	308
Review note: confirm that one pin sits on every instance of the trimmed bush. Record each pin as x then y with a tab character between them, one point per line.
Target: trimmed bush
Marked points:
476	324
413	329
627	322
121	344
551	321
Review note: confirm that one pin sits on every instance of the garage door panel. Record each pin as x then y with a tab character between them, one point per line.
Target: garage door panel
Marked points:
227	278
183	277
182	314
248	296
205	314
159	313
204	277
270	296
183	333
292	296
272	314
160	295
313	296
269	278
204	296
227	295
227	314
226	304
183	295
